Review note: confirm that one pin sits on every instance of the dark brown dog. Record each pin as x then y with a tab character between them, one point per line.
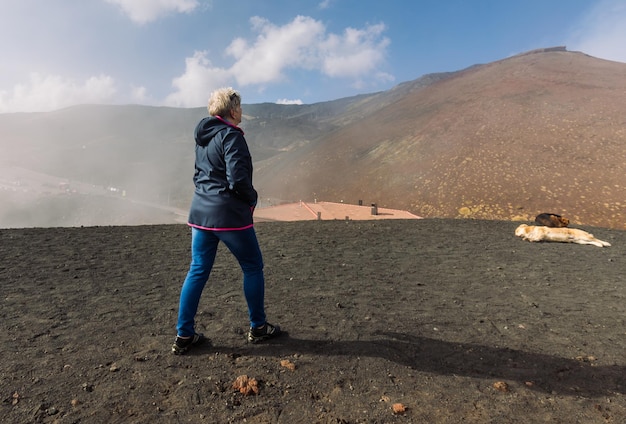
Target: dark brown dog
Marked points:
551	220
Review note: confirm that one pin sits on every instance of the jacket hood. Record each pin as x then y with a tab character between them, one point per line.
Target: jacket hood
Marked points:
208	128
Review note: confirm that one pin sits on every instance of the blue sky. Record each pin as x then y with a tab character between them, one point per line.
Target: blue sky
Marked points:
58	53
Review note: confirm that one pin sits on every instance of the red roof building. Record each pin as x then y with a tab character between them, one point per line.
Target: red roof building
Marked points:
304	211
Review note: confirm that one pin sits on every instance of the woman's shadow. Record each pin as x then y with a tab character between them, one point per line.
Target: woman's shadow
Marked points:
537	371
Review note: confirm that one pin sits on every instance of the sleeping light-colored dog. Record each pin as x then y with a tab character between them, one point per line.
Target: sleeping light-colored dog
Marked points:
564	235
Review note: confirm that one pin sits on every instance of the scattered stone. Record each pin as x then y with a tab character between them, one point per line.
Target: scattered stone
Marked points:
246	385
501	386
288	364
398	408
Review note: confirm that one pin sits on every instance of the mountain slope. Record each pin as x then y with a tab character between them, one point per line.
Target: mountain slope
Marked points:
543	131
538	132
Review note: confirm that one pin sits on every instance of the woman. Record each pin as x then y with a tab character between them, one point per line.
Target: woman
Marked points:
221	210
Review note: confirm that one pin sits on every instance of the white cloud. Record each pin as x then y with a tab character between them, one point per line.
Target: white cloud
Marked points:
198	81
324	4
270	56
144	11
356	53
276	49
139	94
603	33
289	102
302	44
44	93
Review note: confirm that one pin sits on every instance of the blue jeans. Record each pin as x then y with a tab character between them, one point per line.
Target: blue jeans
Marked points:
245	246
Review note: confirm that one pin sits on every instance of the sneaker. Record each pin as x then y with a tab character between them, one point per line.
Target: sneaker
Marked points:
181	345
264	332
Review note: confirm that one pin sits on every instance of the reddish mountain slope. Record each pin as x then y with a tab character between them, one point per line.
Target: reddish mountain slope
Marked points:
539	132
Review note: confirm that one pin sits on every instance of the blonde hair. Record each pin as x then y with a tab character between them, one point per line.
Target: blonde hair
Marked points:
223	100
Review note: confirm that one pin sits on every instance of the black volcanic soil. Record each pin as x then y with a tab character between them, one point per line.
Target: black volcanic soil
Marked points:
457	320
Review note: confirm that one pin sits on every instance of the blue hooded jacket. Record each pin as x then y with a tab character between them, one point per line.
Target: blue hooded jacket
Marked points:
224	198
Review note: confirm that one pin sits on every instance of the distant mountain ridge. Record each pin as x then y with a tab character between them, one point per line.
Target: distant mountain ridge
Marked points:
538	132
542	131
